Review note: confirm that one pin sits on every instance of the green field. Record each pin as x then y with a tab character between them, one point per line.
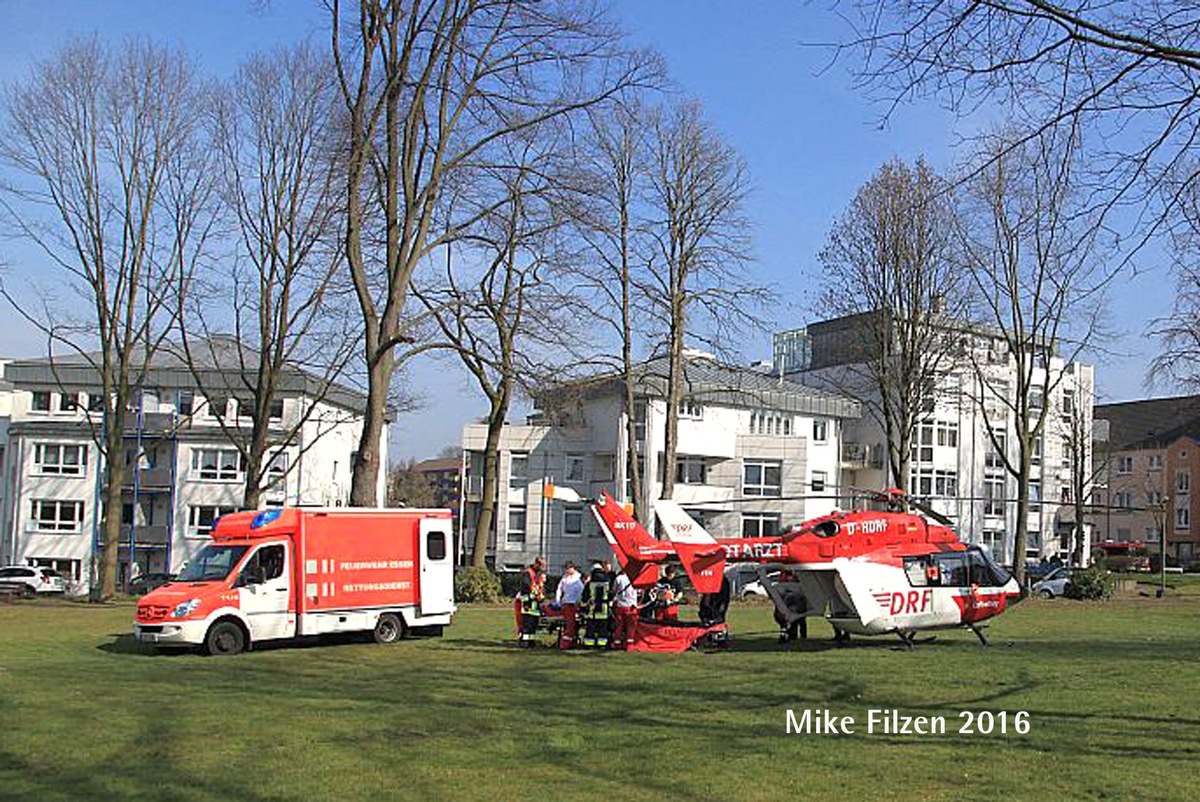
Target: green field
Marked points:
1111	690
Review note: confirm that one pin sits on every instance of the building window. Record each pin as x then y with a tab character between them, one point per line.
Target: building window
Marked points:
515	533
923	445
1035	495
68	402
997	444
1154	462
1152	533
216	408
690	410
1068	403
639	421
1036	457
220	464
603	467
203	517
947	434
52	515
820	431
1037	399
945	483
573	520
1123	499
1183	482
691	471
41	401
275	412
772	423
59	459
762	478
277	469
185	402
759	524
1124	464
819	478
574	468
518	472
993	495
1183	519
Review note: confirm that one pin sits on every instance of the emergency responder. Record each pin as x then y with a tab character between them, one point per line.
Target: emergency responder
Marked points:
668	592
595	606
625	612
528	603
795	602
566	597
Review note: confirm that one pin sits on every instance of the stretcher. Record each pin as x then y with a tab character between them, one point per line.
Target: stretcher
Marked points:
678	636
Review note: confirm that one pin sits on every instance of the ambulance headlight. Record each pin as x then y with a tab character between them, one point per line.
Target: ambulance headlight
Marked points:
184	609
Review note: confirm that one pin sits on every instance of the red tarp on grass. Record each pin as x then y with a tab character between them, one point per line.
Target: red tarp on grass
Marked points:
653	637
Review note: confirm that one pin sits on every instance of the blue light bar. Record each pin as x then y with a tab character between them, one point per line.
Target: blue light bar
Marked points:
265	517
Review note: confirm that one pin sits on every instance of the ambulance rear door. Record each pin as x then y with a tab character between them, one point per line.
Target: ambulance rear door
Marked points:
437	567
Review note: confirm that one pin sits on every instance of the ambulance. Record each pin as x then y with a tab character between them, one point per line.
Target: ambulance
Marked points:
289	573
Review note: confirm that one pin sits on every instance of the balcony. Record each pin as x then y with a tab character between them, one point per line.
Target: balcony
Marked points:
473	488
149	480
154	424
858	456
146	535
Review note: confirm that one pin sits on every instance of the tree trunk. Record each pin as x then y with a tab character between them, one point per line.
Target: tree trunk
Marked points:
1021	537
491	474
364	487
674	395
110	558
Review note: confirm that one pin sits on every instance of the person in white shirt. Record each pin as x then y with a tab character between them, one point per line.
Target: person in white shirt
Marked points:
625	612
570	589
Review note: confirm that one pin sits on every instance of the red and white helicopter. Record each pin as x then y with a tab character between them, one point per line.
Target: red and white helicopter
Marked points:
866	572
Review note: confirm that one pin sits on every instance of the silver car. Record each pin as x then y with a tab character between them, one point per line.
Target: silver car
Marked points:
32	581
1054	583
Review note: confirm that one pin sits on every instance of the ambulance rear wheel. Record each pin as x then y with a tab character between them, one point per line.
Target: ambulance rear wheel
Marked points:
225	638
388	629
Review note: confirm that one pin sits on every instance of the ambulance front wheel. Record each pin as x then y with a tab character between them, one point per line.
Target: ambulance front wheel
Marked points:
224	638
389	628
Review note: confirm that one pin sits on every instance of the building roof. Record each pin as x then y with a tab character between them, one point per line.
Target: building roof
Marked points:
215	359
709	381
1153	423
438	465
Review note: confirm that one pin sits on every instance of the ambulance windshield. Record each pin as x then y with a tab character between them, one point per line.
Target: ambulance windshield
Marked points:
212	563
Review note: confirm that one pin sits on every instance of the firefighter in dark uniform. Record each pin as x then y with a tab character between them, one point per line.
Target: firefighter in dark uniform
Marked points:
597	597
668	592
529	601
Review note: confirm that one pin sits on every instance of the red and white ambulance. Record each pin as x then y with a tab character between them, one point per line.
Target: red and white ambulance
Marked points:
286	573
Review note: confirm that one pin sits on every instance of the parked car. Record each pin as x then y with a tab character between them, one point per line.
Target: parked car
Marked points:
32	581
148	582
1054	583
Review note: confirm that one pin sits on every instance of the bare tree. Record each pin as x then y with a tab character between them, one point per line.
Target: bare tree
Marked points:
1179	331
697	190
502	319
888	266
1125	70
108	178
1034	255
408	487
1086	463
429	86
614	167
273	133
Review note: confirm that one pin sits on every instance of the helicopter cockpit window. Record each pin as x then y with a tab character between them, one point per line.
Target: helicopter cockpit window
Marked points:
918	571
984	570
953	569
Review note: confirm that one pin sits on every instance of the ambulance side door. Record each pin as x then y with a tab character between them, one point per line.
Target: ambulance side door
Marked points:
264	589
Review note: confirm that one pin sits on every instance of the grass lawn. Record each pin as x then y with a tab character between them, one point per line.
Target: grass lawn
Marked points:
1111	689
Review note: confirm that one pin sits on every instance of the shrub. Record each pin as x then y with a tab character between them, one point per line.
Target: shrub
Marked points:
476	584
1090	584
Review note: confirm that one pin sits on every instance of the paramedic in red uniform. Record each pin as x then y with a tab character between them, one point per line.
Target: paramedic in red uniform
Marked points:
527	604
570	589
625	612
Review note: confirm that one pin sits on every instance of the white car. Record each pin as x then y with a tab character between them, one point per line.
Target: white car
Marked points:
32	581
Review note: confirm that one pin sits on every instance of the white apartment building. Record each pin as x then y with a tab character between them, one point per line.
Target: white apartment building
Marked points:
183	470
954	463
756	454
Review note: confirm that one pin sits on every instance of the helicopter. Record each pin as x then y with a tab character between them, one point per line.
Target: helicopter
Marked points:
867	572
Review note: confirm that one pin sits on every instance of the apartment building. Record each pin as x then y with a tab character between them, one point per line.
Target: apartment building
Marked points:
182	467
1153	451
756	453
955	462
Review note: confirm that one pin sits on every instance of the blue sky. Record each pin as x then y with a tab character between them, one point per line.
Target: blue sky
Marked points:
810	138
